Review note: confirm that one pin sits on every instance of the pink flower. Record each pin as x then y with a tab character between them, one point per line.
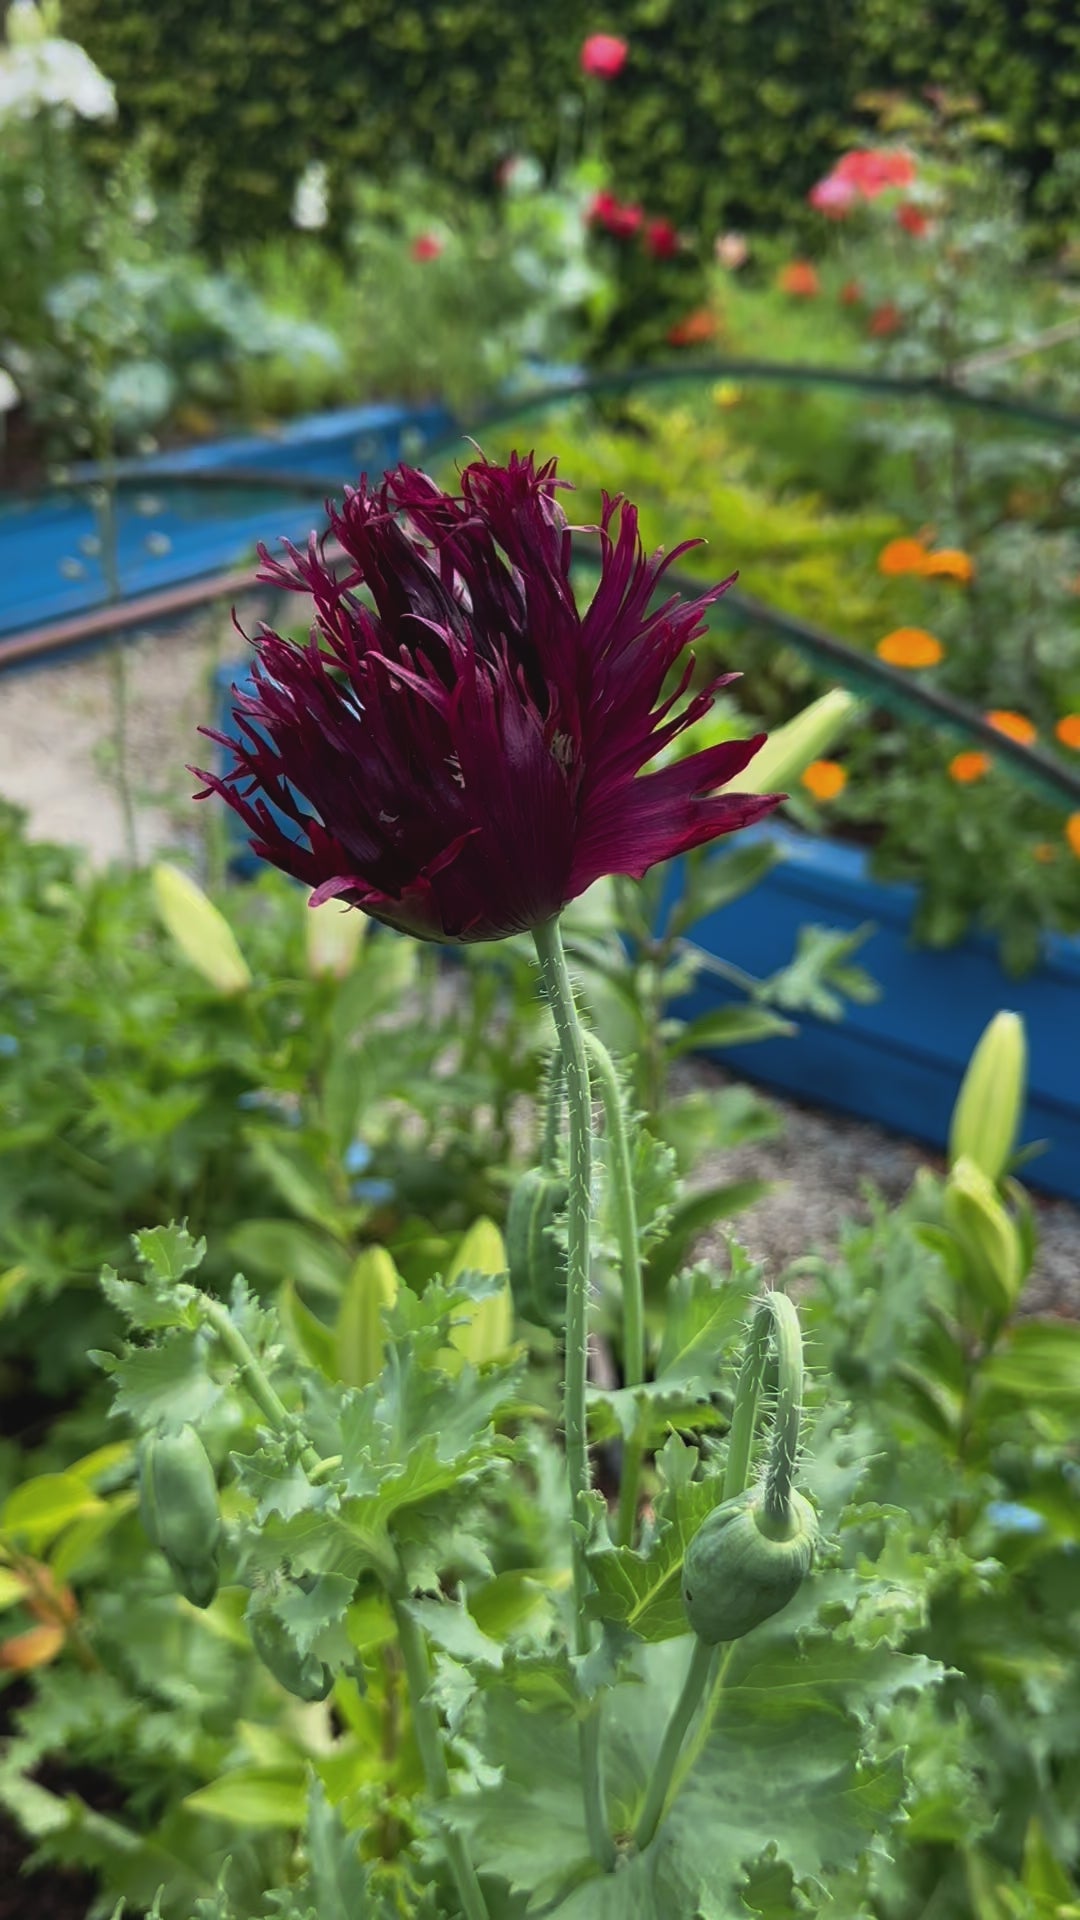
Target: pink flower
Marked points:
661	239
873	170
603	56
833	196
731	251
427	246
615	216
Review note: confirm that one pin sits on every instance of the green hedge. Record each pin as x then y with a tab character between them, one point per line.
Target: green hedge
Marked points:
725	113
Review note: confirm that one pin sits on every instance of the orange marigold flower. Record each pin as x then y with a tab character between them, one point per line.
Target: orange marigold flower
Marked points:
966	767
1016	725
950	563
902	556
910	647
799	277
825	779
1072	833
1068	730
1044	852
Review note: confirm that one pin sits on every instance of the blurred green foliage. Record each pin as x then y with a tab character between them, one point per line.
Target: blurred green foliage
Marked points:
723	114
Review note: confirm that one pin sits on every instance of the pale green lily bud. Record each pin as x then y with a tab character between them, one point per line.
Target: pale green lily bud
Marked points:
202	934
486	1330
990	1105
790	749
334	934
986	1236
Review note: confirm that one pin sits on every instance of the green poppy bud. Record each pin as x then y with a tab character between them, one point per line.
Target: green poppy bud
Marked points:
301	1674
536	1261
740	1568
178	1506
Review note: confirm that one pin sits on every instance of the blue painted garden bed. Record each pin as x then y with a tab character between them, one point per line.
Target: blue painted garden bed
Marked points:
898	1061
171	527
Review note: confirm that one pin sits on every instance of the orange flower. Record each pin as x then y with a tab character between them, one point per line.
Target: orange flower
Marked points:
1068	730
910	647
884	320
825	779
694	330
1044	852
1015	725
966	767
951	563
902	556
1072	832
799	277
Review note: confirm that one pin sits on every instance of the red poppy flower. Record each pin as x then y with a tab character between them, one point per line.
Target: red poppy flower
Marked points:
426	246
615	216
871	171
885	320
661	239
912	219
850	294
800	278
694	329
603	55
460	751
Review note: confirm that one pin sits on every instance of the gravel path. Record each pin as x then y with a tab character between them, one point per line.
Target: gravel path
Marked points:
822	1165
55	731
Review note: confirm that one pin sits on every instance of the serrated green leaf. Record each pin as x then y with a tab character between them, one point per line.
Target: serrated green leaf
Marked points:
169	1252
169	1385
310	1611
450	1626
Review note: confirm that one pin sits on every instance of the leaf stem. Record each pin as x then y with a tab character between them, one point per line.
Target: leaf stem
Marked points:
696	1687
256	1379
559	991
433	1759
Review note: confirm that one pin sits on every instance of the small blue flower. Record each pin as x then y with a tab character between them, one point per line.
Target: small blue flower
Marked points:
9	1046
1011	1517
357	1156
374	1193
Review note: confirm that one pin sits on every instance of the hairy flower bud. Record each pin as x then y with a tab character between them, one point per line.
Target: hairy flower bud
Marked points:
739	1570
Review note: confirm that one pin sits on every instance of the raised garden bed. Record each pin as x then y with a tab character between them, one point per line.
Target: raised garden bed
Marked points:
186	514
899	1060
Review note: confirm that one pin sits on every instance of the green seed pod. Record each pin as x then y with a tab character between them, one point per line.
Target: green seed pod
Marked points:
536	1261
178	1505
302	1674
736	1574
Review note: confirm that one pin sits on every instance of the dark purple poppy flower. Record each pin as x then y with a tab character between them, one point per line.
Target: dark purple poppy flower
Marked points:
459	747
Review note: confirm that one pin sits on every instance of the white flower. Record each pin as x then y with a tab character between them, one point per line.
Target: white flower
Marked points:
311	207
53	73
9	392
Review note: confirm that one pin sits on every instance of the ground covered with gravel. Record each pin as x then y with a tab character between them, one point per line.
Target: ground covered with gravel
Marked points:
57	734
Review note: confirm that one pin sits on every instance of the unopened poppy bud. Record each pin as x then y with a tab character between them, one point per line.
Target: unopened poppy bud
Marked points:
740	1569
990	1105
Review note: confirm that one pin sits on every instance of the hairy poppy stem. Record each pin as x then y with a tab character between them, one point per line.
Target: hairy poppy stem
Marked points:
433	1760
624	1204
560	995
